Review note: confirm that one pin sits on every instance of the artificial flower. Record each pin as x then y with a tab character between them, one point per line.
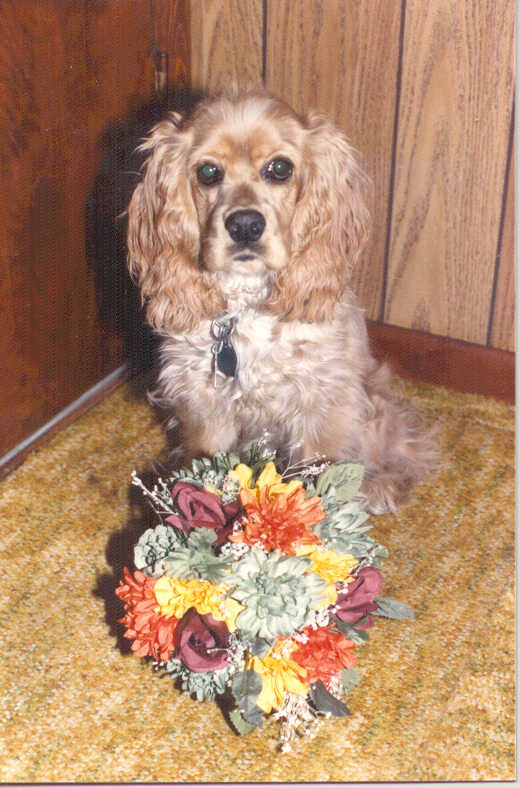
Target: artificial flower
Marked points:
204	686
152	633
279	523
324	654
153	547
243	589
200	508
344	530
331	566
280	674
277	592
202	642
269	478
358	600
175	597
196	560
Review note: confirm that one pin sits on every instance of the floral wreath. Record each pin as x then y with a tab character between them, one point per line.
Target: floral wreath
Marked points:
256	586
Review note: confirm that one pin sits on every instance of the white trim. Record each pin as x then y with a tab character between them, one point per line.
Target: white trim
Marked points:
63	414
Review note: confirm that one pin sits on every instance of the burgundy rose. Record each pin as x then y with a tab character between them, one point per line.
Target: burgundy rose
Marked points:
202	509
358	600
202	642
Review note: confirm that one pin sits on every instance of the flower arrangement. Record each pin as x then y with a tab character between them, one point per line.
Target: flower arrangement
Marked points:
257	585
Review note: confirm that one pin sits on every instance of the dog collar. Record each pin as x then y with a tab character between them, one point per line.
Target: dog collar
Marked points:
224	354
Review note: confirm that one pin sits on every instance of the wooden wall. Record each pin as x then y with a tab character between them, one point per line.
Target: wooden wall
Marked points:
424	89
77	90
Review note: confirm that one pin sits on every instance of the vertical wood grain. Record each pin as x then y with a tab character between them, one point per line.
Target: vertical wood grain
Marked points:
431	83
453	129
226	44
341	56
502	326
171	33
72	75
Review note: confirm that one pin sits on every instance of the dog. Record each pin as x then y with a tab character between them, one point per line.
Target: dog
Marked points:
242	235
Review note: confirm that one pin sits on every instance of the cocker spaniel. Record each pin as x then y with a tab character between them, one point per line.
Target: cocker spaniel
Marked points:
243	232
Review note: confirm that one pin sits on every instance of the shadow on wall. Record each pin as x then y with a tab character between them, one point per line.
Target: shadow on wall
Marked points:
106	225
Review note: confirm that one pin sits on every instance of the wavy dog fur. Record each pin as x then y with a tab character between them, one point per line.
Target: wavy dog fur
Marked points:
306	380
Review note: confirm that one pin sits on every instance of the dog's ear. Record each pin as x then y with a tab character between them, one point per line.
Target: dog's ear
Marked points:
163	234
329	225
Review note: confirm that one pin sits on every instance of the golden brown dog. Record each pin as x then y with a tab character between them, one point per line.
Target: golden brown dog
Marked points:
242	235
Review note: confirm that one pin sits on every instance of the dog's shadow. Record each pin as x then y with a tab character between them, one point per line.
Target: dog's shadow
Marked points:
105	226
119	553
119	308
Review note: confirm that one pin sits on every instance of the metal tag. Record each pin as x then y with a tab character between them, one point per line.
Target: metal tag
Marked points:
227	360
225	357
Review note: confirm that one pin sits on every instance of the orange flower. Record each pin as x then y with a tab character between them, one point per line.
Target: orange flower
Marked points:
325	654
153	634
283	522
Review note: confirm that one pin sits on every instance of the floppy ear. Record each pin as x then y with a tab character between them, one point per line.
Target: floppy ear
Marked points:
329	226
163	235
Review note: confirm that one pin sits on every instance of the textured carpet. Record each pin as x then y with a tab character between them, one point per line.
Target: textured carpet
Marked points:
436	700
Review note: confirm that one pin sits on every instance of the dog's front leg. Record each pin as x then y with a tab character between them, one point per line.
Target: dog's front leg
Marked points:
205	434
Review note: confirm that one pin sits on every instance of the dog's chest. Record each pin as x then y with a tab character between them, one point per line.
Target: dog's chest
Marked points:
276	359
280	365
270	355
257	346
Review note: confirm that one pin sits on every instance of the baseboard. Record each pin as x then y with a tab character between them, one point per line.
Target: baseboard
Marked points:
457	365
460	366
17	455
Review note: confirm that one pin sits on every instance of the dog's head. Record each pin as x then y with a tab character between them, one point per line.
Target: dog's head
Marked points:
244	191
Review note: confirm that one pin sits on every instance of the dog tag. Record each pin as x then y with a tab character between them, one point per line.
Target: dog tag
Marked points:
227	360
225	357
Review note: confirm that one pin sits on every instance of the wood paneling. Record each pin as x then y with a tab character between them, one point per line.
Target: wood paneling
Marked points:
453	132
424	90
227	44
342	58
72	76
502	321
456	365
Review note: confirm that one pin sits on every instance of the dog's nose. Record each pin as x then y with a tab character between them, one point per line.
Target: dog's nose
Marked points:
245	227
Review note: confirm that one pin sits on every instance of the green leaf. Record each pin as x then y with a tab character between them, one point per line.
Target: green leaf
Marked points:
257	457
233	460
254	717
391	608
196	559
357	636
345	477
199	466
259	646
324	701
242	726
349	678
224	462
246	687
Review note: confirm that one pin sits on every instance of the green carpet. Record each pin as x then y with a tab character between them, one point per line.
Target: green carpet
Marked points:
436	700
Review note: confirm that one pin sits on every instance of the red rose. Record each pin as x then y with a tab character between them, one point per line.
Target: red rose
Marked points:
200	508
358	600
202	642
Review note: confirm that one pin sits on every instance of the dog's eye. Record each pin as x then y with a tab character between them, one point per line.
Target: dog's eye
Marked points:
278	170
209	174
